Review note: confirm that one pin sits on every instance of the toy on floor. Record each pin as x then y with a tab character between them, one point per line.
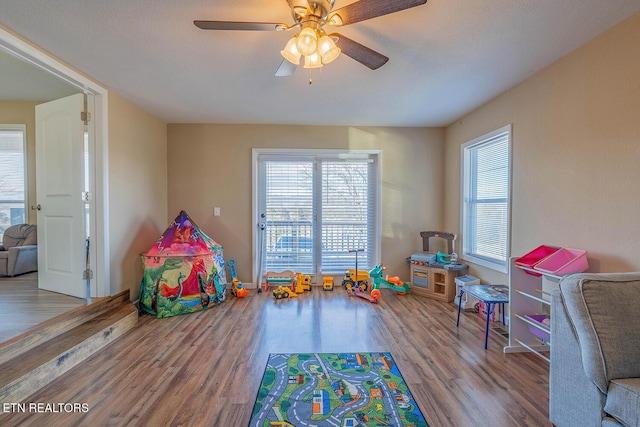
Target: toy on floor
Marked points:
373	296
283	292
278	278
303	283
481	308
327	283
355	278
237	289
392	282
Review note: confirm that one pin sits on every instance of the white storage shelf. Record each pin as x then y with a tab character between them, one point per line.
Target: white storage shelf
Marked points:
529	295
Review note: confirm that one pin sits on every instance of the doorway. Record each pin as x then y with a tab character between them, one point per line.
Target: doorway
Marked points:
41	66
64	202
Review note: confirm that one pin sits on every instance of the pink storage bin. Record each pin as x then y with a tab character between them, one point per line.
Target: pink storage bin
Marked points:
538	318
564	261
531	259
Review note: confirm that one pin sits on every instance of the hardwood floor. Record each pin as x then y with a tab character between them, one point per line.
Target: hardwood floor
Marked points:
204	369
24	306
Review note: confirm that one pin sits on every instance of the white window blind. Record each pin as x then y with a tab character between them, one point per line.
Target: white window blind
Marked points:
288	204
12	176
486	198
317	208
347	214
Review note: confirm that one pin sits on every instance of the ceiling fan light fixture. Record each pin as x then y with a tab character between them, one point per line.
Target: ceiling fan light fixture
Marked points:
309	19
312	61
327	49
307	41
290	52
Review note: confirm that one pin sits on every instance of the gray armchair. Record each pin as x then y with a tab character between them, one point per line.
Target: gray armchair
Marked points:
19	250
594	377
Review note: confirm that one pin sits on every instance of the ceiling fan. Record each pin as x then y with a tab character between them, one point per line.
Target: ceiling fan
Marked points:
312	42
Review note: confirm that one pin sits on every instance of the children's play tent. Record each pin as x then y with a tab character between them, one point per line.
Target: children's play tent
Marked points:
183	271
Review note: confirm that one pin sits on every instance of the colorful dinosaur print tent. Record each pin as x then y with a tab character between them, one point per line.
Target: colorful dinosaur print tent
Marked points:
183	271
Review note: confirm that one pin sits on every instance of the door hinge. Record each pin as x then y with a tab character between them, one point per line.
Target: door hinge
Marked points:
85	117
87	196
87	274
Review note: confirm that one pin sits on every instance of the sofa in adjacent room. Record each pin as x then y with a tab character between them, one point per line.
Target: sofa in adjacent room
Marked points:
19	250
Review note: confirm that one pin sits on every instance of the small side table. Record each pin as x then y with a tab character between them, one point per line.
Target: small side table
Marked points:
490	295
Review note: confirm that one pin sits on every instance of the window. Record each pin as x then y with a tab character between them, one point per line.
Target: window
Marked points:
486	193
318	205
13	193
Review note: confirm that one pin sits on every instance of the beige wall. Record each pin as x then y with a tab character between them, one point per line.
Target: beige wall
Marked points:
210	165
576	158
137	182
576	153
24	113
137	189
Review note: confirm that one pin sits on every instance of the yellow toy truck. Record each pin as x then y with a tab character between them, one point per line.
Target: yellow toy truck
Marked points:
327	283
283	292
237	289
303	283
356	279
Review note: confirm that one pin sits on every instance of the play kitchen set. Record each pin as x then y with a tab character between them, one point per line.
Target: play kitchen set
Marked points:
433	273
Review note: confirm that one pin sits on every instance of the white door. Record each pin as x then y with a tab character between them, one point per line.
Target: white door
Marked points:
59	187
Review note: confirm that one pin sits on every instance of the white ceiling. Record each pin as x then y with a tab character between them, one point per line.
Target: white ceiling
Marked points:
446	57
20	81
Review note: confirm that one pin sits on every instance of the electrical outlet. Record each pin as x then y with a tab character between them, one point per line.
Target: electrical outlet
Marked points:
216	211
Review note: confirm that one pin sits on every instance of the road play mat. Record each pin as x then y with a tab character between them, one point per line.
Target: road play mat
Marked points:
334	389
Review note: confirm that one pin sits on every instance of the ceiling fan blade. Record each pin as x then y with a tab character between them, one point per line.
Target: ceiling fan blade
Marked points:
367	9
367	57
242	26
286	68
